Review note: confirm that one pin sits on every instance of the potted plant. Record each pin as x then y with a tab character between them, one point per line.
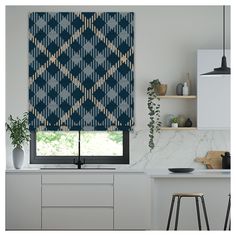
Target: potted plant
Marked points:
19	134
154	111
174	122
159	88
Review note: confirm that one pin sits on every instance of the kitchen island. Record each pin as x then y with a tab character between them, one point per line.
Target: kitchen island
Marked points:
215	184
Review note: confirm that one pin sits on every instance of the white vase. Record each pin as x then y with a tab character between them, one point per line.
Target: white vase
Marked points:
185	89
174	125
18	157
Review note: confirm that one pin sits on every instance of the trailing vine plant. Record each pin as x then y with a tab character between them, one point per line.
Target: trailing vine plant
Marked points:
154	111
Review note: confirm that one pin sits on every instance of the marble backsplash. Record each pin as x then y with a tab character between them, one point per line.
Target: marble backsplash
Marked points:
176	148
173	149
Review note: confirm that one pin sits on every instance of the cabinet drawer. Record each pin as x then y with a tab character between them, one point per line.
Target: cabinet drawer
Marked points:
77	218
78	178
77	195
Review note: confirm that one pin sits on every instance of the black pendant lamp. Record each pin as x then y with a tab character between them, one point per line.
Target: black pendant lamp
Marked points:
223	70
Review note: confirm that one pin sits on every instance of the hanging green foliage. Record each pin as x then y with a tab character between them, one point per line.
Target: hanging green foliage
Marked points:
154	112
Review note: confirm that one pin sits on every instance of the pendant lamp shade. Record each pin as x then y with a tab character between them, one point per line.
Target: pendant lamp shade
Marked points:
223	69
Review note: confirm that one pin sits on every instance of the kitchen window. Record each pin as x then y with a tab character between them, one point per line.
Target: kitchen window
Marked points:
94	147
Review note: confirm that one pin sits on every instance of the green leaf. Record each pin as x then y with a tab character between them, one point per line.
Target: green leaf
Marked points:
154	113
18	129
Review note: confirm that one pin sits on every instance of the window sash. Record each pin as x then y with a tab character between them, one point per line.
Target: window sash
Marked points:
34	159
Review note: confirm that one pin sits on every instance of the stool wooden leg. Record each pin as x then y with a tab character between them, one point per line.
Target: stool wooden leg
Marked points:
227	214
205	212
198	214
177	213
170	213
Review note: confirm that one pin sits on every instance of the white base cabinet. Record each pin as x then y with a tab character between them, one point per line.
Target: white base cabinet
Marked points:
23	201
77	201
131	201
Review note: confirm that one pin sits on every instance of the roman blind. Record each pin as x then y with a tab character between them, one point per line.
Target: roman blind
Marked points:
81	70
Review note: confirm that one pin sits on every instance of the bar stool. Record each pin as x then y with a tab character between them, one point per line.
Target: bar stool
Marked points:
227	214
193	195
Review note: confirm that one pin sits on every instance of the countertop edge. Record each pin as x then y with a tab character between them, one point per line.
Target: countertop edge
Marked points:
191	176
154	173
71	171
212	173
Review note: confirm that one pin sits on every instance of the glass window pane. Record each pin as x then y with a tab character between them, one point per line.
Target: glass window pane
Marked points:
57	143
101	143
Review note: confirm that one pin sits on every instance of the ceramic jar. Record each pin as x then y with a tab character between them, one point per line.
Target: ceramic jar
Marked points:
181	120
226	160
188	123
161	89
179	89
174	125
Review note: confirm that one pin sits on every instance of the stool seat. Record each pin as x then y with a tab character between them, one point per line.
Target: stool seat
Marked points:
188	194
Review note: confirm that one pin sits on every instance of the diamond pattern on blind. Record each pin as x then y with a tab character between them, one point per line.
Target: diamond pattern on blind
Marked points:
81	71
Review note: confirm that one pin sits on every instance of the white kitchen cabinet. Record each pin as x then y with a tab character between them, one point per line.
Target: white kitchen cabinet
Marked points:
23	201
131	201
213	93
82	201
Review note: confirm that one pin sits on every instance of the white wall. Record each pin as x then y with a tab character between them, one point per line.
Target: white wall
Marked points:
166	43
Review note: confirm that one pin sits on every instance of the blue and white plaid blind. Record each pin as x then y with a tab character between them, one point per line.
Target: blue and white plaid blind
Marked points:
81	71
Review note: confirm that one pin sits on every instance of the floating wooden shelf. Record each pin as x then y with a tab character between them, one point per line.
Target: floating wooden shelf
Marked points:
179	128
178	97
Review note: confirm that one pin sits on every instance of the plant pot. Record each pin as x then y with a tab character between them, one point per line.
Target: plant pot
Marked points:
160	89
174	125
18	157
168	119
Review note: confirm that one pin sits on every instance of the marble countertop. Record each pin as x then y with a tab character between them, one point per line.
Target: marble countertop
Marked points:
74	170
153	173
165	173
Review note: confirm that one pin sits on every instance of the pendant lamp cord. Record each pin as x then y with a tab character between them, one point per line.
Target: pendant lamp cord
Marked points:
223	30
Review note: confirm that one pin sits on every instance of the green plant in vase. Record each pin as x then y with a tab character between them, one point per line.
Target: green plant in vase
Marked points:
174	122
19	134
154	111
